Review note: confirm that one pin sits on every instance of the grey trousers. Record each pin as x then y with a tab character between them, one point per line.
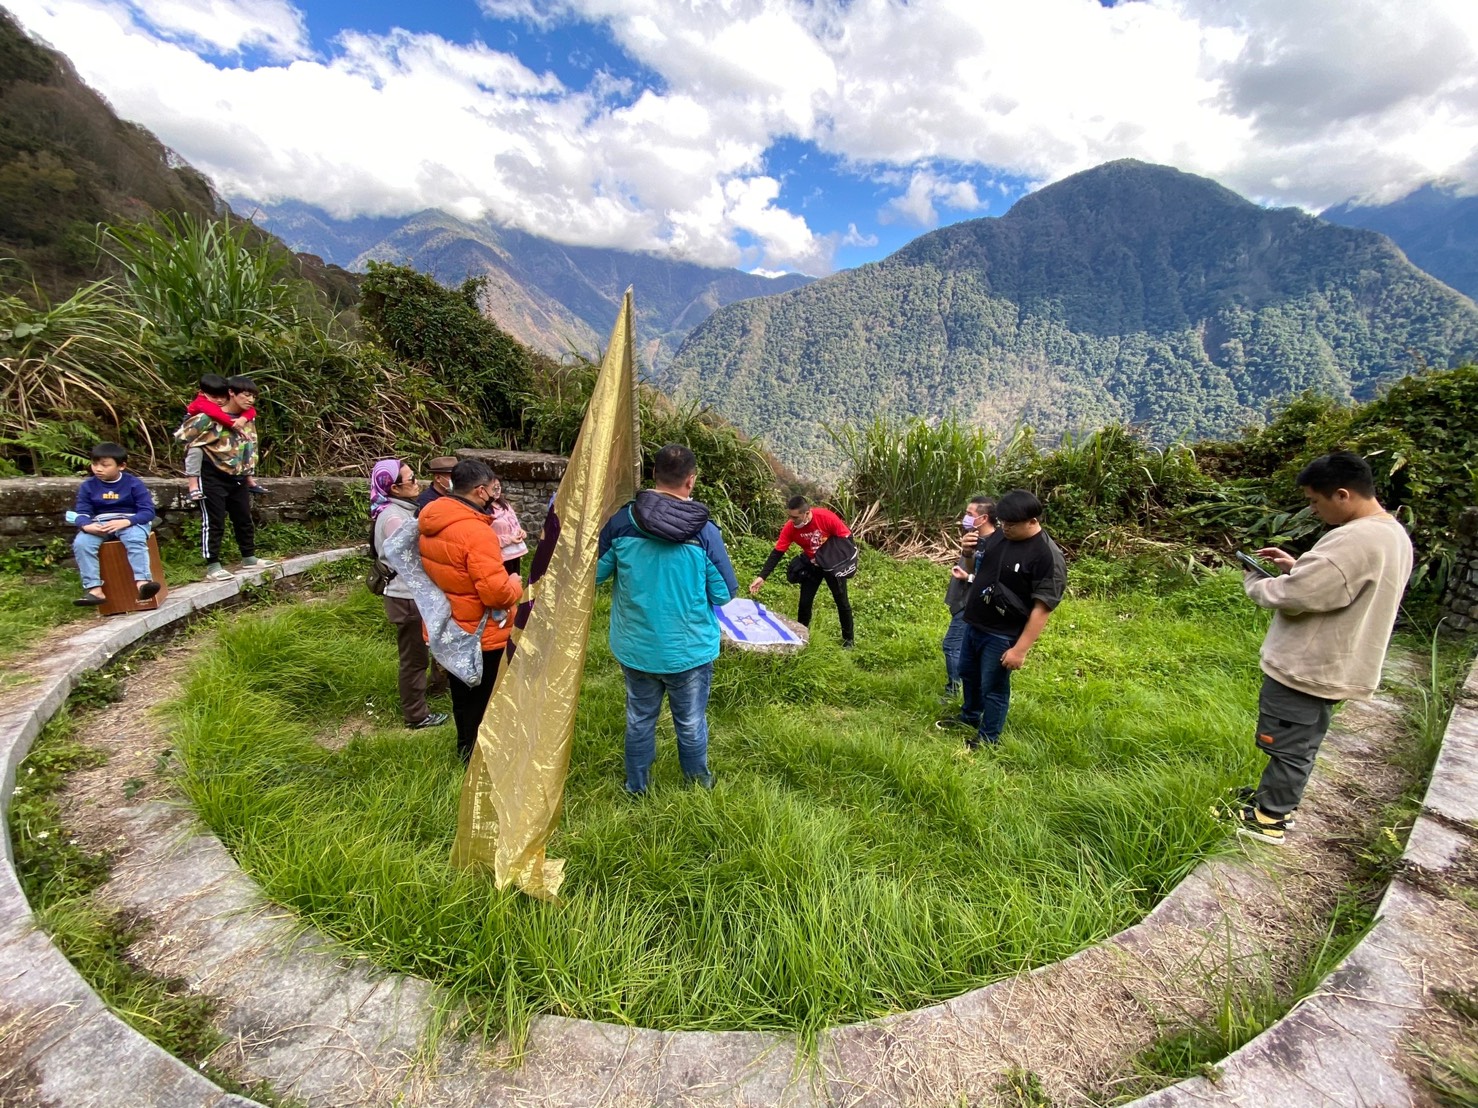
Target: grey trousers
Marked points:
1290	727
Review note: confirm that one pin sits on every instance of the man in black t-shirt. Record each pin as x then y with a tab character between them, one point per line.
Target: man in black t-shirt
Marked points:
1018	578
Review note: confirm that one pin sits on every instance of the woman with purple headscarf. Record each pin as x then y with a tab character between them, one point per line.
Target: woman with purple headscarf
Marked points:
393	492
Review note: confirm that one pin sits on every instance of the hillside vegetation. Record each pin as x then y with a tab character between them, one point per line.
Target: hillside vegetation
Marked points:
1435	227
68	163
1126	294
1113	492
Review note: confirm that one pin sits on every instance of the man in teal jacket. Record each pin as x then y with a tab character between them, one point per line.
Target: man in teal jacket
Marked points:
670	568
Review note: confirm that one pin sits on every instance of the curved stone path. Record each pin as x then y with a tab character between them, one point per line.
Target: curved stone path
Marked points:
325	1027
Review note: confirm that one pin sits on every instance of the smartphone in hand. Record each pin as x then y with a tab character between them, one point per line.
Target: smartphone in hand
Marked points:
1251	563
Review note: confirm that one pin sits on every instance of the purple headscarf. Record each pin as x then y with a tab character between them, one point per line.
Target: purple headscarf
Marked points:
385	474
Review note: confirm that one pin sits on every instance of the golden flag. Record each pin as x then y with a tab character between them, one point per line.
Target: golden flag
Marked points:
514	788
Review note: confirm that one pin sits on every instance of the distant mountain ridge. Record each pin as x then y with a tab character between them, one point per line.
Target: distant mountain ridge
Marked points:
1129	292
551	296
1435	227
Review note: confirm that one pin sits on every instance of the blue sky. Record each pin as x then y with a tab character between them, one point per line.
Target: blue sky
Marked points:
778	135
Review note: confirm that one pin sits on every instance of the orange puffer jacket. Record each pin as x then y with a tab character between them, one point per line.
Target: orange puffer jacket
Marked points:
462	556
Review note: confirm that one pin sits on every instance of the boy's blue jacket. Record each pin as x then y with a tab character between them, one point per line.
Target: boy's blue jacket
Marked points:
126	496
670	567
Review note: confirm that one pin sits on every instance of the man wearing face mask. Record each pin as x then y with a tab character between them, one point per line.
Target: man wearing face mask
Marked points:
979	523
464	559
441	480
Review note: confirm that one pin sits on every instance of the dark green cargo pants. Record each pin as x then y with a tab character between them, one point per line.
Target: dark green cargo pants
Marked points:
1290	727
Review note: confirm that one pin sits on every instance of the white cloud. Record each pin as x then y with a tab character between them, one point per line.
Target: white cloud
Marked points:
916	204
854	237
229	26
1288	101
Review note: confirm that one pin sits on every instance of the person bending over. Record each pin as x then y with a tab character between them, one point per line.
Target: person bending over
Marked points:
809	528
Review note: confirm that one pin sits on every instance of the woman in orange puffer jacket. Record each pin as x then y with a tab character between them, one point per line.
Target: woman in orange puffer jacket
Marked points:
462	555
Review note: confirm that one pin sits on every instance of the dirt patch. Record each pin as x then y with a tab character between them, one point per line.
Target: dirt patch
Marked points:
336	738
133	736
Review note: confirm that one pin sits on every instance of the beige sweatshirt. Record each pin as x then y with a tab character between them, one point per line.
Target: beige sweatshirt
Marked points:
1335	609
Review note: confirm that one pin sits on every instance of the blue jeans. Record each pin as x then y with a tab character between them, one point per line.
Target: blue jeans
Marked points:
987	682
954	642
135	540
687	695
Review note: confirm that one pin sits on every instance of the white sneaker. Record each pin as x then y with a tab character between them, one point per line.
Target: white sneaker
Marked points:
259	563
220	573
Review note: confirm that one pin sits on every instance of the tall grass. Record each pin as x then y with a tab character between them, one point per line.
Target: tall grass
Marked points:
214	301
920	473
913	476
83	357
851	861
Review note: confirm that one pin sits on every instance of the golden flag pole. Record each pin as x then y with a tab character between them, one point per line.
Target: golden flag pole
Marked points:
514	789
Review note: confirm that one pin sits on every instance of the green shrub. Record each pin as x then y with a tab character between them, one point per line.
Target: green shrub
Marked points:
444	331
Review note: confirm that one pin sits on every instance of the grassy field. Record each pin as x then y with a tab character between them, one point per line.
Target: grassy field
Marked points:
852	860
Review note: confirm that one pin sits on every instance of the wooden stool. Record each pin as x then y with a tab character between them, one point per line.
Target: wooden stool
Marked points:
118	582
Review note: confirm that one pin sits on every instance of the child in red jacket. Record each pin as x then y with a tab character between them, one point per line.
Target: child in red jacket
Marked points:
212	395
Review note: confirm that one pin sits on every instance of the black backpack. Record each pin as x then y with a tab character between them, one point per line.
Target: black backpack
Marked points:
380	575
837	557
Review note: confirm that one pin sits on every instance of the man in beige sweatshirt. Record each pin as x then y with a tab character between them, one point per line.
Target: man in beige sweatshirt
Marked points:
1333	613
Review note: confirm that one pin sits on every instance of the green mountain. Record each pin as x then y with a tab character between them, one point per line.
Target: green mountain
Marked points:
1129	292
551	296
67	163
1437	229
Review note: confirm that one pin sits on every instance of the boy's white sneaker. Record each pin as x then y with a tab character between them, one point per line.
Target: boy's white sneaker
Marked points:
258	563
220	573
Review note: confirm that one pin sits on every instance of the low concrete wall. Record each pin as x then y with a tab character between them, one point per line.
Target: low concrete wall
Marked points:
1460	601
1339	1047
65	1047
33	509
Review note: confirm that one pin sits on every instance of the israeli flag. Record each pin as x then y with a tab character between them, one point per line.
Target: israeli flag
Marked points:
747	621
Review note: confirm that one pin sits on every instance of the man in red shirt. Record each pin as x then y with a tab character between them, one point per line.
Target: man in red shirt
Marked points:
809	528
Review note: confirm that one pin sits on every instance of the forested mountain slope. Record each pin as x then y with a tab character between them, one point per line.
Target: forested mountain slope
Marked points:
1435	227
1129	292
68	164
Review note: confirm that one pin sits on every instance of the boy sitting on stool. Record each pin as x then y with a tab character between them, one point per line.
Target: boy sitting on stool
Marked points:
112	503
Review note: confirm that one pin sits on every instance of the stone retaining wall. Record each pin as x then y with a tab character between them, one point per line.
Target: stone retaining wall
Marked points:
1460	602
33	509
529	480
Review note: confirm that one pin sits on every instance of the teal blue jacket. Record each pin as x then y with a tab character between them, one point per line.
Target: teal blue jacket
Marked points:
669	567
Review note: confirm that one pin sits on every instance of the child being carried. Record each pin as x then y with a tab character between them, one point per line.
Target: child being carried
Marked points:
209	400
